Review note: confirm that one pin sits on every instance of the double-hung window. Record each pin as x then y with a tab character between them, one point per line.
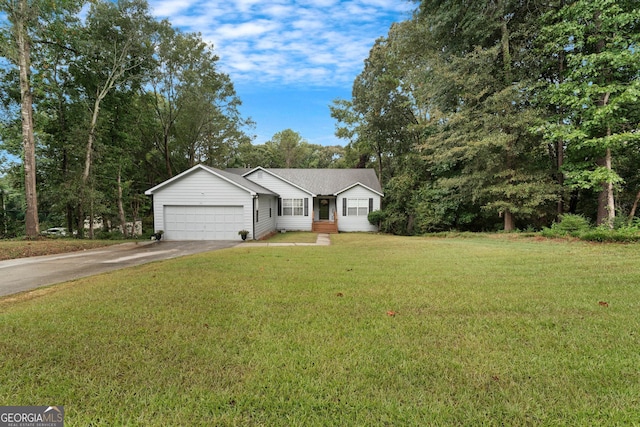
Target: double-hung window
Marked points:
357	207
292	207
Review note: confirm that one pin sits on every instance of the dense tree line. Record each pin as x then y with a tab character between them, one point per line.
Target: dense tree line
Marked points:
477	115
501	114
100	102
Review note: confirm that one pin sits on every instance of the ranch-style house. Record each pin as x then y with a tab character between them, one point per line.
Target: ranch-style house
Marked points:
204	203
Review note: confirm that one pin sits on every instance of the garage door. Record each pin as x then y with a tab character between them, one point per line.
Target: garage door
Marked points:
203	222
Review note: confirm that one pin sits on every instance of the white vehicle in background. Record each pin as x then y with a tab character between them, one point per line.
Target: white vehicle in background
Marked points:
55	231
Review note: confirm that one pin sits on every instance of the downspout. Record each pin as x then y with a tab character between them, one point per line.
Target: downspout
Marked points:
253	217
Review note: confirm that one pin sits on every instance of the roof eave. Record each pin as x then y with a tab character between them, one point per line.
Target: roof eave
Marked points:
360	184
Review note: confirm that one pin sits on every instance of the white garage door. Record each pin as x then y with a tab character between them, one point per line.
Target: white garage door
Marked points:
203	222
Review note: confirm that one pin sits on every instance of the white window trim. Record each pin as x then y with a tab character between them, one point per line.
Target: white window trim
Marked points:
294	205
357	207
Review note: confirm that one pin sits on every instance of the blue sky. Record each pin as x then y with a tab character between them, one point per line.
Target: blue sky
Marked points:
288	59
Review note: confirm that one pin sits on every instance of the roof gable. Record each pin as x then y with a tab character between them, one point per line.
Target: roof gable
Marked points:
270	172
234	179
361	185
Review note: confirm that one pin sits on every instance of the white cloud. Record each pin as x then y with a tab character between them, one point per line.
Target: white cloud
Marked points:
278	10
310	42
308	24
168	8
245	30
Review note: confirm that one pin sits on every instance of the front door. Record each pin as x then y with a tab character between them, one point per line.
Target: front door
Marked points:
324	210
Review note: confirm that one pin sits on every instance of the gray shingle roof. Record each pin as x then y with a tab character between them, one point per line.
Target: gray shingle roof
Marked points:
240	180
324	181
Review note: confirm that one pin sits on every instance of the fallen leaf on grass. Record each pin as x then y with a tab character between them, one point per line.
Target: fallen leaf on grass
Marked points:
391	313
339	294
603	303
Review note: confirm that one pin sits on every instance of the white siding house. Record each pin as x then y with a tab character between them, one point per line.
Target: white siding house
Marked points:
265	215
293	211
355	204
204	203
208	204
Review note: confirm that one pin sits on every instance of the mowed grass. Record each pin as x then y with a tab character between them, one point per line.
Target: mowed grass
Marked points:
12	249
486	331
293	237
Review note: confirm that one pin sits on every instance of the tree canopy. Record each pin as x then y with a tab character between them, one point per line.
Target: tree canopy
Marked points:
481	115
505	114
111	103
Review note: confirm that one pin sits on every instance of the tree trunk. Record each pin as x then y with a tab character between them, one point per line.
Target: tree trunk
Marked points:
91	216
80	218
70	224
167	157
28	140
3	218
611	204
508	220
560	144
90	140
506	64
135	208
379	154
606	203
634	207
560	162
123	222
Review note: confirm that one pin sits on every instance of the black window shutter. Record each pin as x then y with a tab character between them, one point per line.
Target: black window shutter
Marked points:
344	207
279	206
371	205
306	206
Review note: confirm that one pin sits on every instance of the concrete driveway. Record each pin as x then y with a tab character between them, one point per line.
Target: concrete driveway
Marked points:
24	274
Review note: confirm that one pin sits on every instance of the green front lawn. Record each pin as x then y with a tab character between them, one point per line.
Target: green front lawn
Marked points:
372	330
293	237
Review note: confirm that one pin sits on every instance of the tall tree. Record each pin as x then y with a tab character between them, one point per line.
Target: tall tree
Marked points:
26	19
598	91
286	149
59	117
383	105
117	48
480	74
23	16
195	104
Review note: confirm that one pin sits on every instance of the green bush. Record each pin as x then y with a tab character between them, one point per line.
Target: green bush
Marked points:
571	224
578	226
605	234
376	217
